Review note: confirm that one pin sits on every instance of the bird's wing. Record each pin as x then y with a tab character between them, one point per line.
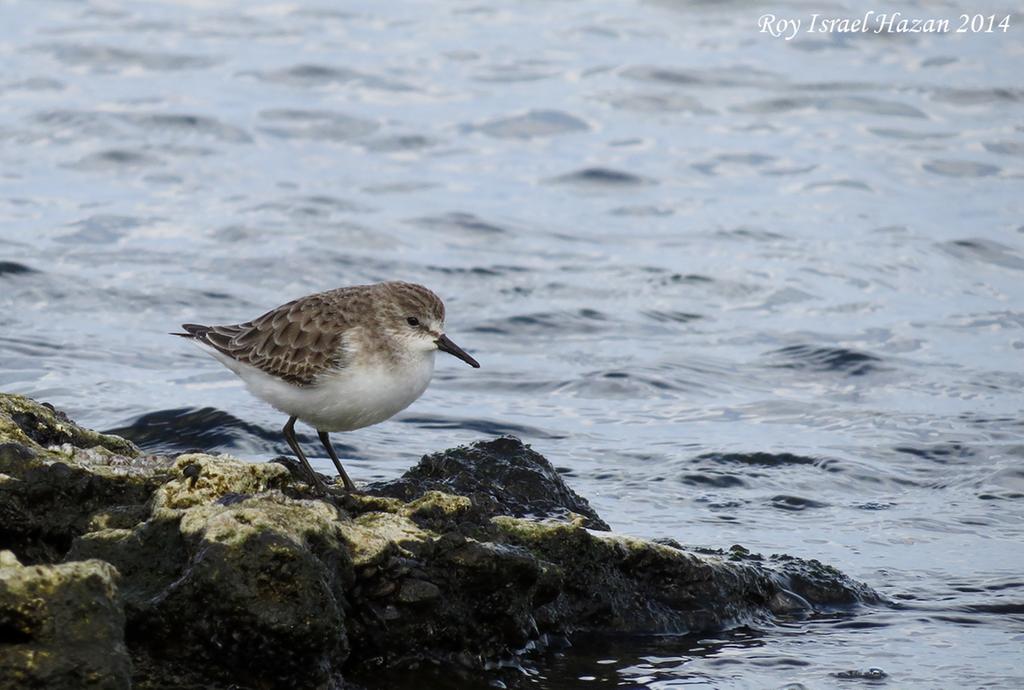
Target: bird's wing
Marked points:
297	341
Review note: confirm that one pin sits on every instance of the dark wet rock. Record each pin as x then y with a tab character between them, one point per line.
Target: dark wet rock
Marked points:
500	477
233	574
61	626
786	603
819	584
637	586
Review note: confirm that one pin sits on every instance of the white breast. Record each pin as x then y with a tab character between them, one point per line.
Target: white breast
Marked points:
348	399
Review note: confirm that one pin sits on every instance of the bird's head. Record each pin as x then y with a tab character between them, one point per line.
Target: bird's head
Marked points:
415	317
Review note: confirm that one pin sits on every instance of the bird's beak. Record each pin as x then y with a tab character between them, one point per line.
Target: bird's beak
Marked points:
444	344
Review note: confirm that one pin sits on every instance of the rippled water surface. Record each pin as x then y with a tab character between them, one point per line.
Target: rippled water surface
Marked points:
742	290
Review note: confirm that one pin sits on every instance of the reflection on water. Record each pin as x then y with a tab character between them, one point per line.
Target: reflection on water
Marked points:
741	290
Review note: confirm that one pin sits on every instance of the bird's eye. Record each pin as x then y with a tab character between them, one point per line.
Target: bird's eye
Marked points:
412	321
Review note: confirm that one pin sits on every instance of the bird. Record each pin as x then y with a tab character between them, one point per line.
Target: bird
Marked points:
337	360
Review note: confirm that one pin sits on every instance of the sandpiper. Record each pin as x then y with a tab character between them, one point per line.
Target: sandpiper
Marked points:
336	360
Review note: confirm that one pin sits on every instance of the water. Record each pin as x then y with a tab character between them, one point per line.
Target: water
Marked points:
742	290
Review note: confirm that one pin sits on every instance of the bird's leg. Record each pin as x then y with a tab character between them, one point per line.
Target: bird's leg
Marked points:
325	439
289	435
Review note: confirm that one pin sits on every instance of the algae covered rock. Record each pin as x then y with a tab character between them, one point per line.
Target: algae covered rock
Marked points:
23	420
501	477
233	574
436	595
56	478
61	626
199	479
620	584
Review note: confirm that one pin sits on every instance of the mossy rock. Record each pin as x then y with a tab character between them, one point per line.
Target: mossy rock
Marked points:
57	477
233	574
39	425
62	626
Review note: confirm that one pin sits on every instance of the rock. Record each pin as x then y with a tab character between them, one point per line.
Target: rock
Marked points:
416	591
237	568
23	420
500	477
61	626
619	584
57	477
252	589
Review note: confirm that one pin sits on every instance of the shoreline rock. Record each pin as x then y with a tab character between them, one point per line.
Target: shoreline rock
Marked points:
473	558
61	626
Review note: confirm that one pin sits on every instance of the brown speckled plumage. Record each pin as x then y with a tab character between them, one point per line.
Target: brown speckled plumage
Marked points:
338	360
300	340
